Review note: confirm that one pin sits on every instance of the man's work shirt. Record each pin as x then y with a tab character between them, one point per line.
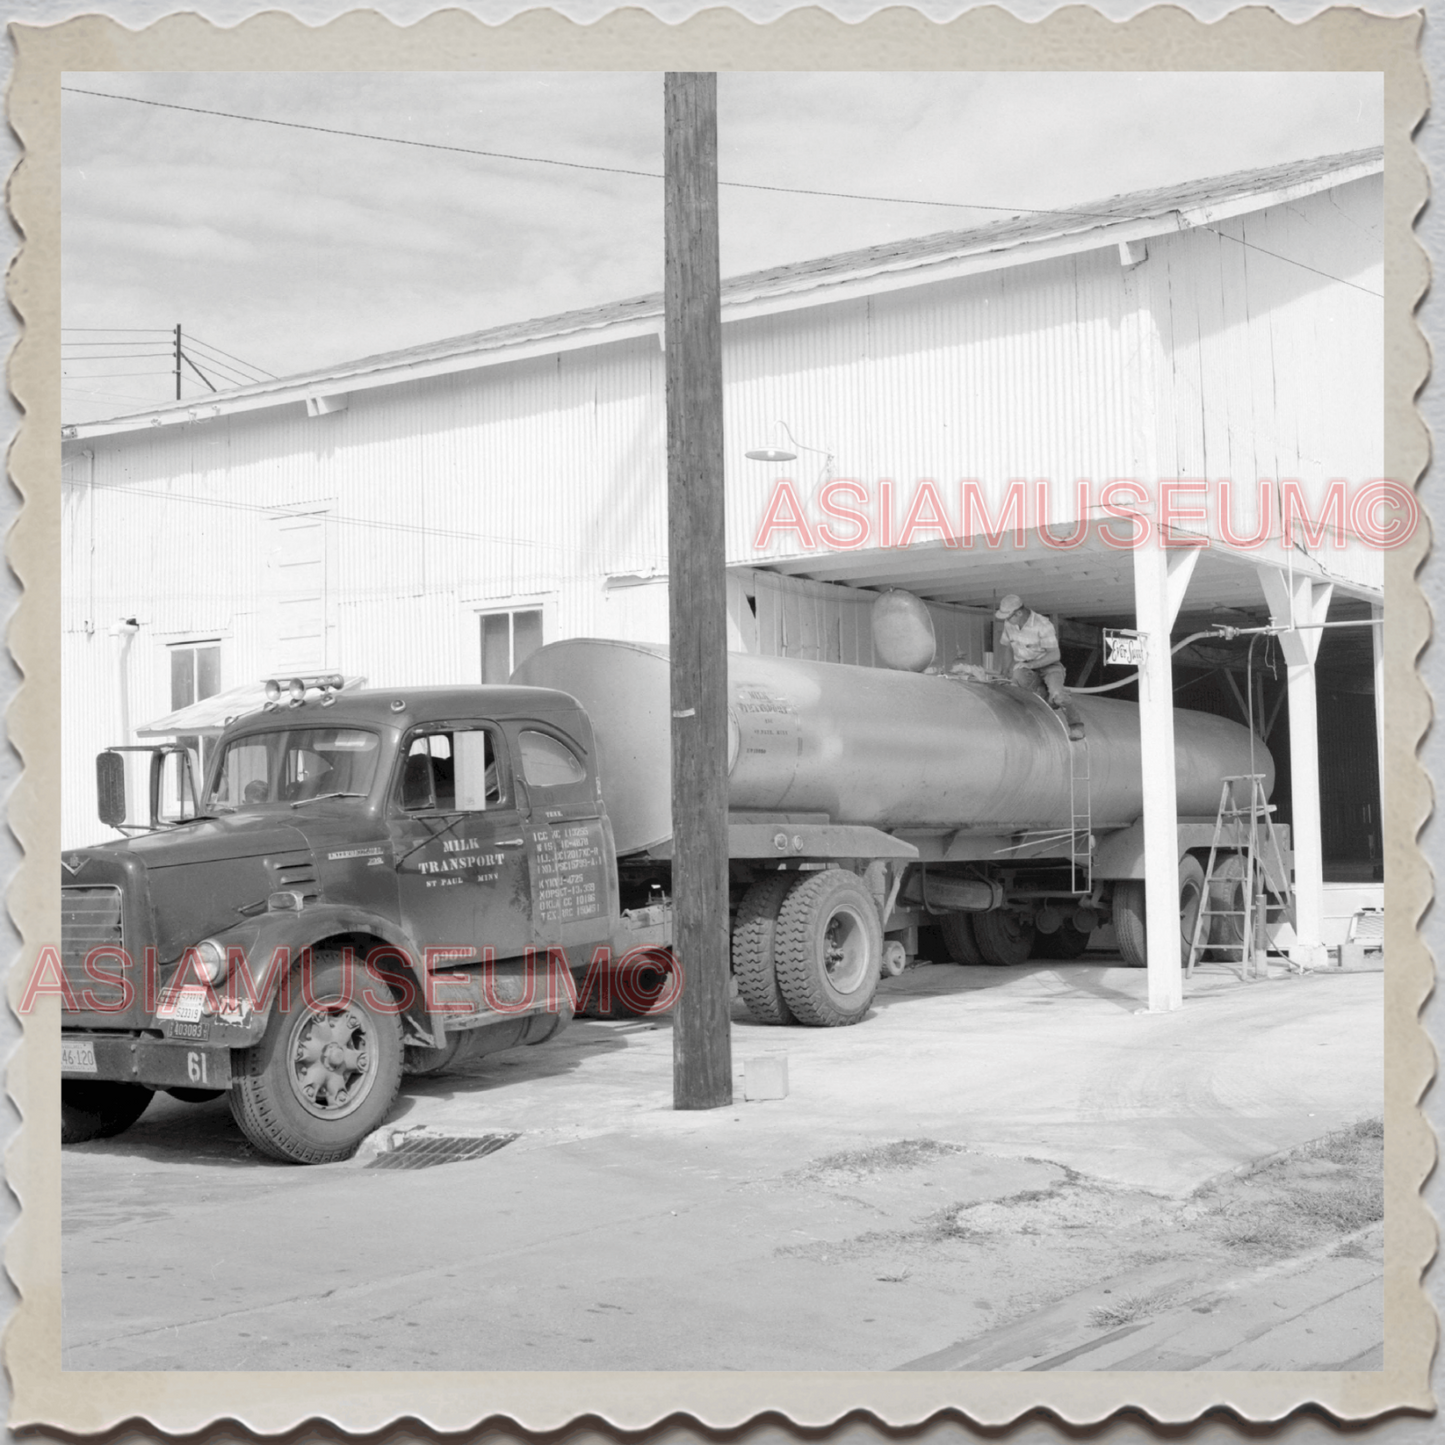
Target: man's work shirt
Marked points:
1030	639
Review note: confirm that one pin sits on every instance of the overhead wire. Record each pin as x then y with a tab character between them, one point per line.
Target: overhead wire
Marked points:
375	524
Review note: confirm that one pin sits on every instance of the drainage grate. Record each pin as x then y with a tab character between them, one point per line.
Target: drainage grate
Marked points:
422	1151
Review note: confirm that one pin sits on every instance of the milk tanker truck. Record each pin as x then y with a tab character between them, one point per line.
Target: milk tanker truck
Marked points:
866	803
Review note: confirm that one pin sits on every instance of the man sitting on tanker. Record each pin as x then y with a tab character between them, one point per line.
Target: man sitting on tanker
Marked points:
1035	646
1038	664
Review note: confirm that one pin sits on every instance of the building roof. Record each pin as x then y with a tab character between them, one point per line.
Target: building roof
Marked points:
1015	240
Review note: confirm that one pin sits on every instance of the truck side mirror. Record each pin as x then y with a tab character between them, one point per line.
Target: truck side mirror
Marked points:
110	788
173	787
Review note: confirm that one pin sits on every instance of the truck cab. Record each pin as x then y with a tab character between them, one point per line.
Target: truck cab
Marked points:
372	882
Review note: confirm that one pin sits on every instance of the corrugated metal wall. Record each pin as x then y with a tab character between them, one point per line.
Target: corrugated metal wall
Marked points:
542	482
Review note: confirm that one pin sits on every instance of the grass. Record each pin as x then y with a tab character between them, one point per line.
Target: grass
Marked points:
1287	1205
878	1159
1122	1311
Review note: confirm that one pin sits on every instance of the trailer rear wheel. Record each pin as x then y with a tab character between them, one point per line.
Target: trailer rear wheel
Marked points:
1005	939
1065	941
325	1074
754	961
99	1108
829	949
1129	913
958	938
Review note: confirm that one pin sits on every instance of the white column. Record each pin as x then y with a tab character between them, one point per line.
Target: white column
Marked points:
1295	602
1160	579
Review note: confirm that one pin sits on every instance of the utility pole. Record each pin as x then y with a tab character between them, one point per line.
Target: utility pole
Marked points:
178	361
701	1037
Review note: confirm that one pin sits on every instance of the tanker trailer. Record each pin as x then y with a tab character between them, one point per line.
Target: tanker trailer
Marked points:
865	802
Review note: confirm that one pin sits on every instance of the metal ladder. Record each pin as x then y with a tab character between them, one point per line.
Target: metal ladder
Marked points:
1081	818
1253	837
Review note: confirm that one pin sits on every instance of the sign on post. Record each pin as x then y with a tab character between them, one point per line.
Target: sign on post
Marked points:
1123	648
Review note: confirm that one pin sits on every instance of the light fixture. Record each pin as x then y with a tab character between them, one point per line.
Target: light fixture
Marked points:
780	454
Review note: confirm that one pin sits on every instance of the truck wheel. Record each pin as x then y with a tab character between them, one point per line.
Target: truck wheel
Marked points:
754	964
1065	941
1226	894
958	938
325	1074
1004	939
1129	913
99	1108
829	949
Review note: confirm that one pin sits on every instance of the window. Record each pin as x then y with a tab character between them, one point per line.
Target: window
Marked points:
451	771
195	674
547	762
508	639
294	764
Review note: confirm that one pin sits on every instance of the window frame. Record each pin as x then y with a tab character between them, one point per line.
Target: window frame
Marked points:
501	752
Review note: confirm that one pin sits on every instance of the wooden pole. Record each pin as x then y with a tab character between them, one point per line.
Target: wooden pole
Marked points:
701	1038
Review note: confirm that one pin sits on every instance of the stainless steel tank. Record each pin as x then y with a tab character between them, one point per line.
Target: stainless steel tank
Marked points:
874	746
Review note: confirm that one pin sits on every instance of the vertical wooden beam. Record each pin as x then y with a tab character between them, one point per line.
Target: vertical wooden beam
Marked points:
1154	618
1294	602
701	1038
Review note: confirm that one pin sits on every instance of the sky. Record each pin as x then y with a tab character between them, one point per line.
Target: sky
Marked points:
285	249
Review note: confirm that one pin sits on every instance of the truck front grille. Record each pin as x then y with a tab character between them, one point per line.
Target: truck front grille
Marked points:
91	918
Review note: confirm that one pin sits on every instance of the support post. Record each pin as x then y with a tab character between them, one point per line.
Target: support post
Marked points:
701	1038
178	361
1160	580
1295	601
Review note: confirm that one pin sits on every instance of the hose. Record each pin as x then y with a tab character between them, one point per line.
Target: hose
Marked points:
1124	681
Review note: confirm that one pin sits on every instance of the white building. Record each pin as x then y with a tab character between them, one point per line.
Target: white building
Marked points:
423	515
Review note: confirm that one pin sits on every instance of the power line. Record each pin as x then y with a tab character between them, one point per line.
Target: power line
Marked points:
103	330
408	528
210	346
1290	260
657	175
102	375
586	166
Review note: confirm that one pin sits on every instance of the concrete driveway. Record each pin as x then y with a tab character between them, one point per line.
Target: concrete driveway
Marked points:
617	1234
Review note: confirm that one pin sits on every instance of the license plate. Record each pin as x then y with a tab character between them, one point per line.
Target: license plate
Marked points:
184	1030
77	1057
185	1006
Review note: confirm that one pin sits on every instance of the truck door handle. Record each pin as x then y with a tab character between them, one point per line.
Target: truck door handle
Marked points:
509	842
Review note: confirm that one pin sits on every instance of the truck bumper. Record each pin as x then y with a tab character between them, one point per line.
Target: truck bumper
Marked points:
132	1059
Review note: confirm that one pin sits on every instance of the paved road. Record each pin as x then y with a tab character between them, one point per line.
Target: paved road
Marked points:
616	1234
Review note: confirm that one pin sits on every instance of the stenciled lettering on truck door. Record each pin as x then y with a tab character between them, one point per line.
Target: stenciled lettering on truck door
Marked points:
457	831
573	878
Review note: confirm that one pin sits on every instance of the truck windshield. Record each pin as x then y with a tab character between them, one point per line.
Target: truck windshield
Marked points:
291	765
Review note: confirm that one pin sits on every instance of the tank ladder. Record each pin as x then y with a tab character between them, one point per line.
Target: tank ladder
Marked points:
1081	818
1247	831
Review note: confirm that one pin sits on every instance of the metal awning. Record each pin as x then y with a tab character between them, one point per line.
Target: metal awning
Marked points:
211	715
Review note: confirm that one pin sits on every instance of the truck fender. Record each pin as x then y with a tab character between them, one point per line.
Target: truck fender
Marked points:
260	938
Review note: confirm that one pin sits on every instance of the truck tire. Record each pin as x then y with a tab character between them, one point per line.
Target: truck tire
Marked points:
958	938
323	1077
1065	942
828	947
99	1108
1004	939
754	962
1129	913
1226	893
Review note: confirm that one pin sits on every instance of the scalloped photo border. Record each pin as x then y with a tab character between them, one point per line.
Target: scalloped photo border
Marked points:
1164	38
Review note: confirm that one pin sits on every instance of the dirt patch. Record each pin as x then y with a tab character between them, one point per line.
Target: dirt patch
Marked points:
1014	1253
850	1165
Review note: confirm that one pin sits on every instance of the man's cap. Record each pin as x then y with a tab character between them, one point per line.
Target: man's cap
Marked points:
1008	607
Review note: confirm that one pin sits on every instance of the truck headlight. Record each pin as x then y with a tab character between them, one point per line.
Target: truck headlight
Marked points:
213	960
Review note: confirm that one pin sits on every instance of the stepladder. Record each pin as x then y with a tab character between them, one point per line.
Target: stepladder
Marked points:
1246	881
